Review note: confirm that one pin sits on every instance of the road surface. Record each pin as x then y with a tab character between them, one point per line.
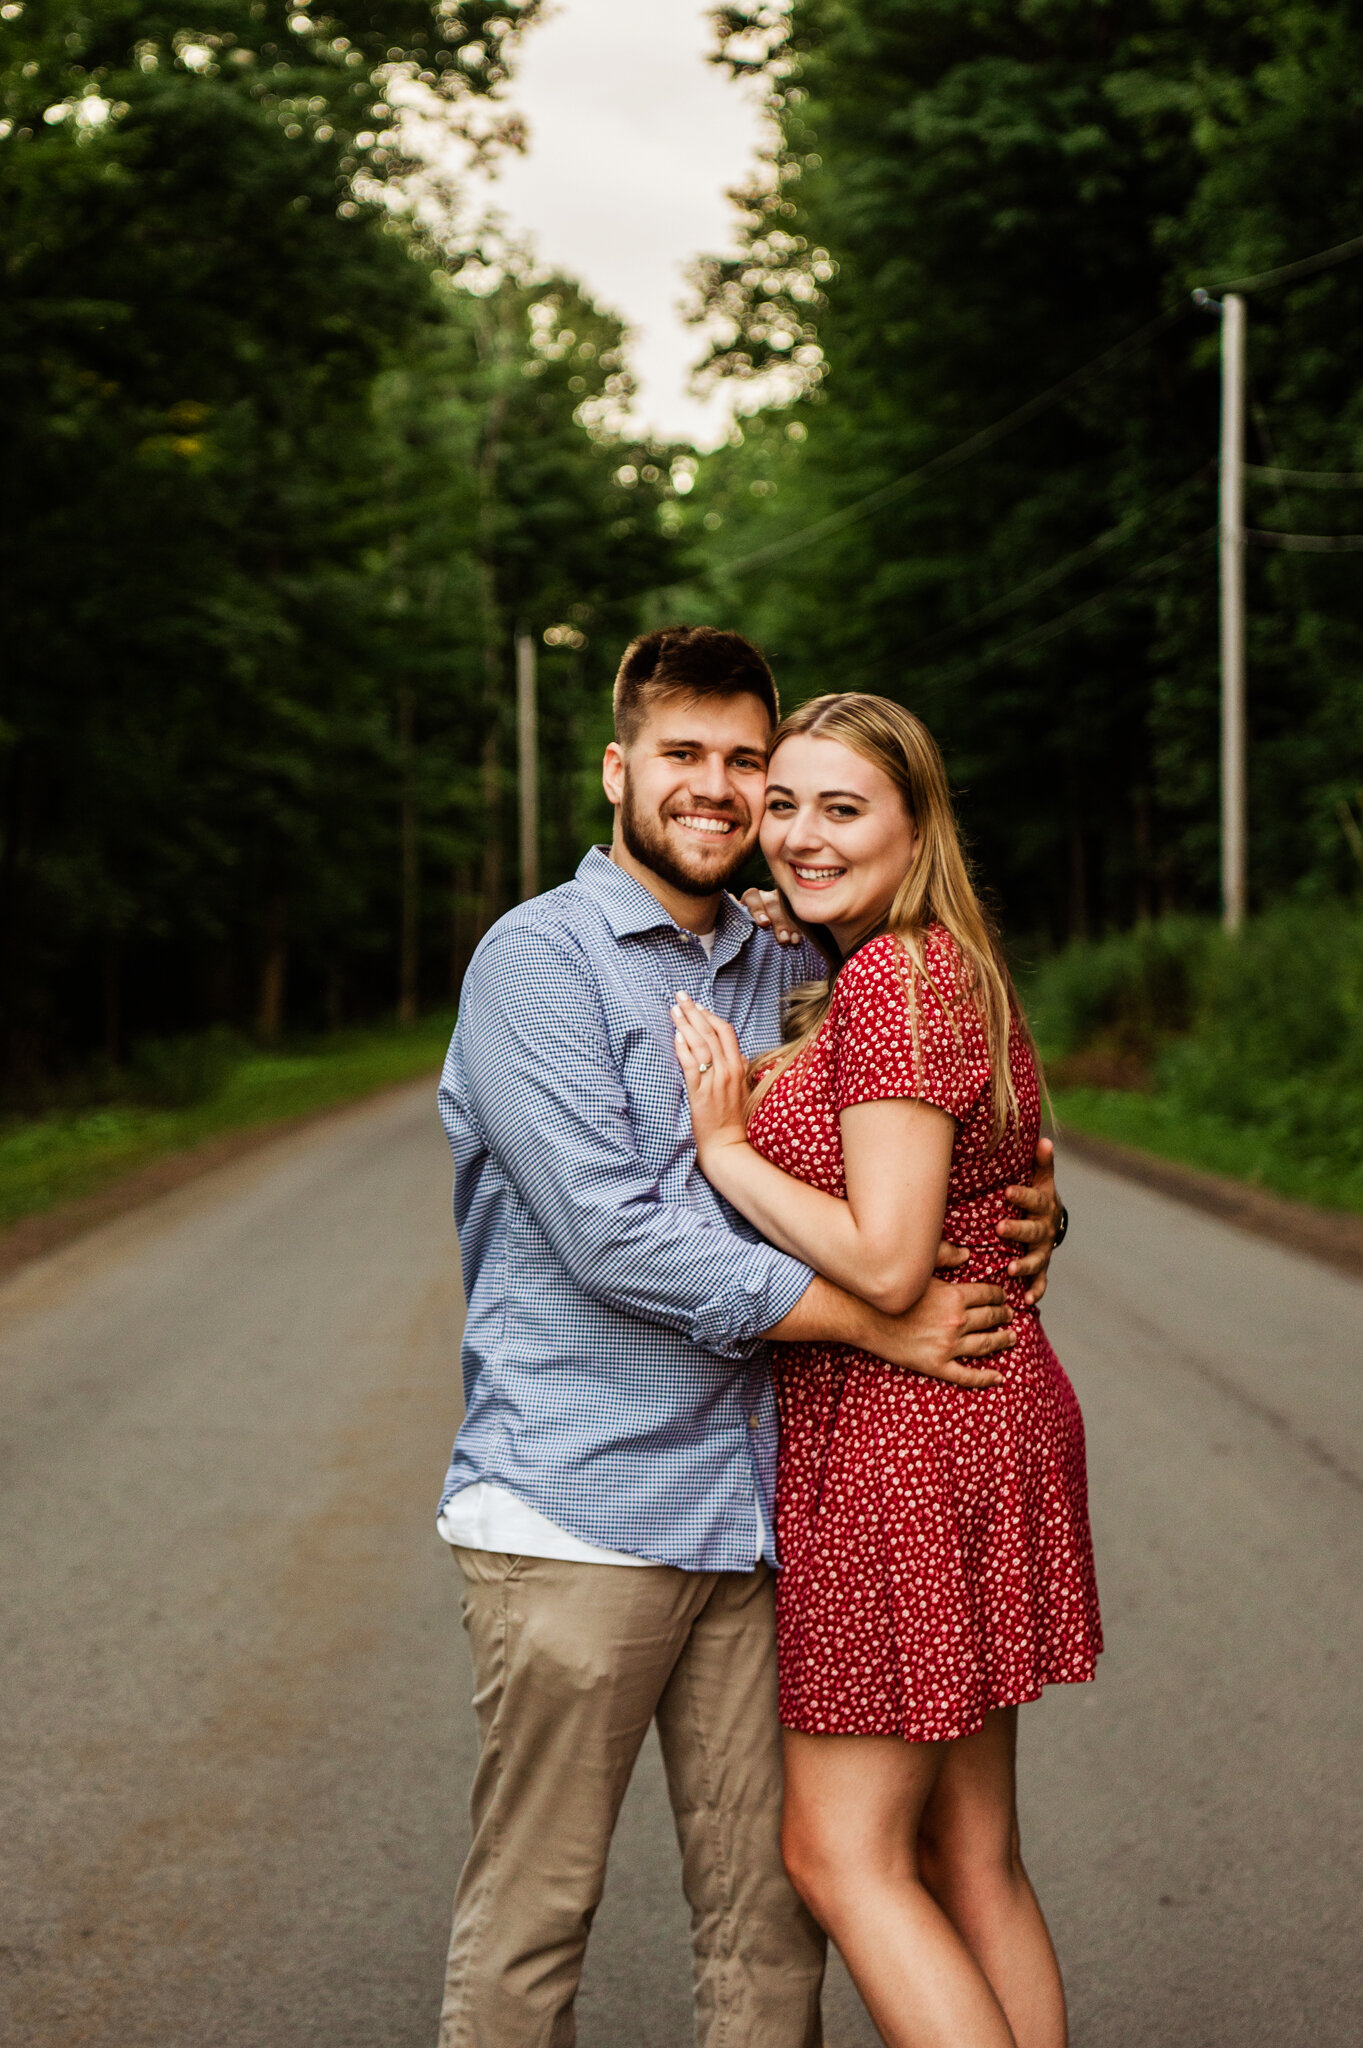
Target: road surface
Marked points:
235	1739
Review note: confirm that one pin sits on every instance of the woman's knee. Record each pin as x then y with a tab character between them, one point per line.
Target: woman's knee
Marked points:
808	1865
957	1860
820	1865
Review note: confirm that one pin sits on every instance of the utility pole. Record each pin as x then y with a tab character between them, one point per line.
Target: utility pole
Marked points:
527	742
1233	848
1232	559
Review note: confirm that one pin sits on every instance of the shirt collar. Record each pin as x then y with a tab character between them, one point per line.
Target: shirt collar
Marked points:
630	908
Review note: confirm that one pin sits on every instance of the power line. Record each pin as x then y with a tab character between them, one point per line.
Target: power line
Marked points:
1307	479
951	458
1038	636
1307	543
1341	253
977	444
1048	578
964	451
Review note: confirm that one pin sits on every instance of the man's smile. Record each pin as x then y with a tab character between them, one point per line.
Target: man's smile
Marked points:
712	828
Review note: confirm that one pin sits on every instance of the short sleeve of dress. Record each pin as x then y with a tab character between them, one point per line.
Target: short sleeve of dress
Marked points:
901	1035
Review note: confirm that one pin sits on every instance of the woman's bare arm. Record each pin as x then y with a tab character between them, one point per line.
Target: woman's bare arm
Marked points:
881	1243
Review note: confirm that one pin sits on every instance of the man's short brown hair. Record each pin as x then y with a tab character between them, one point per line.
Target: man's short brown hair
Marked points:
688	661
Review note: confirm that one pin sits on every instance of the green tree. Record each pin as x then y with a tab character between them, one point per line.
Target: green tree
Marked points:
281	480
962	208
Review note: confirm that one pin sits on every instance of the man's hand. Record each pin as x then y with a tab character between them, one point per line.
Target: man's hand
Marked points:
948	1325
769	908
945	1335
1038	1226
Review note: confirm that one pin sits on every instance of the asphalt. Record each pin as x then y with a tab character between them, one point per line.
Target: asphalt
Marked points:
235	1739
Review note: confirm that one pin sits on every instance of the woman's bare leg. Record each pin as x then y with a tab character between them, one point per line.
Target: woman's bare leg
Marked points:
852	1811
971	1861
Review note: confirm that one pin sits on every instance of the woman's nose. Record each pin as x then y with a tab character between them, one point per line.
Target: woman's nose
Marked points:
803	834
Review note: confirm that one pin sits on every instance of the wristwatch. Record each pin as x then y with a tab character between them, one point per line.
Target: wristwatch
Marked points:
1059	1237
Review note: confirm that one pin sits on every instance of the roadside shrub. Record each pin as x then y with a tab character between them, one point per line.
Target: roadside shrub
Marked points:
178	1073
1129	992
1262	1032
1277	1036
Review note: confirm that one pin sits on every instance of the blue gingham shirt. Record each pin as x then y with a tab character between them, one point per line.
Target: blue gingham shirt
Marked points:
614	1376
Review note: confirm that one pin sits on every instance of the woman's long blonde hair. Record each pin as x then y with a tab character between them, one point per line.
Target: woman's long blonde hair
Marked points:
936	890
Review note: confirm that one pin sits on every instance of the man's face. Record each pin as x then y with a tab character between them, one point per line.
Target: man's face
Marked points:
689	788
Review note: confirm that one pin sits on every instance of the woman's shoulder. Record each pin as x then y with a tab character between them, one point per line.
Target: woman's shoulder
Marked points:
902	1029
873	962
886	963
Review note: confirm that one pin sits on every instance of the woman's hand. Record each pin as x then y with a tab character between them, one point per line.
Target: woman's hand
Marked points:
716	1078
769	908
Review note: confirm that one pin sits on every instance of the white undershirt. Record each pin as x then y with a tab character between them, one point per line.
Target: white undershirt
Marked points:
486	1517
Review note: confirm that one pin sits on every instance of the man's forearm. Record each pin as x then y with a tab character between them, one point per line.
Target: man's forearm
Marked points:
826	1314
949	1324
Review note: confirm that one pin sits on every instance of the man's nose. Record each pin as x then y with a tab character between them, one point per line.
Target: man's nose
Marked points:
712	781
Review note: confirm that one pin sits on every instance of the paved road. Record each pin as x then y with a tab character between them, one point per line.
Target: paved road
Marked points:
235	1740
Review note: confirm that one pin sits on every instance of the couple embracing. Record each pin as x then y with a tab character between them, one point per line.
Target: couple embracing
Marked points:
703	1180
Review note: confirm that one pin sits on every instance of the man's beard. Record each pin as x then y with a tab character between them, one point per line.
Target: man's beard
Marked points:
644	838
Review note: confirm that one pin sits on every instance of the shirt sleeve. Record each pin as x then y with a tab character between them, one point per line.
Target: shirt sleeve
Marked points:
901	1035
540	1082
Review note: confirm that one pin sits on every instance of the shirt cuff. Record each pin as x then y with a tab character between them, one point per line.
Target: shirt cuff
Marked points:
766	1288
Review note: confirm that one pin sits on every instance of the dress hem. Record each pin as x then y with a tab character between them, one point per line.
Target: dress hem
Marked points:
970	1726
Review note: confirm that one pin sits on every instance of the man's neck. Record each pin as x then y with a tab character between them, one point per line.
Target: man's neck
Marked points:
692	913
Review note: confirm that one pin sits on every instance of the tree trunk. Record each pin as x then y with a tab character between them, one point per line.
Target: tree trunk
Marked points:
464	909
335	996
409	963
1145	866
11	915
112	980
1079	893
274	967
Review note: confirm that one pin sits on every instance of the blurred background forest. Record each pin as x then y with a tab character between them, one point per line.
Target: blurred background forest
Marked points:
290	456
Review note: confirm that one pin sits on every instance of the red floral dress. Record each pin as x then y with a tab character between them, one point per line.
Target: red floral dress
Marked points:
934	1540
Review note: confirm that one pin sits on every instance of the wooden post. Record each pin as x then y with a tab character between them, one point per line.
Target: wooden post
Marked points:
527	742
409	930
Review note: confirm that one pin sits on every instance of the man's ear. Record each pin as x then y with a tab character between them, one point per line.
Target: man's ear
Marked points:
613	773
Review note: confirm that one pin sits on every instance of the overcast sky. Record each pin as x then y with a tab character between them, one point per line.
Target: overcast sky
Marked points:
634	140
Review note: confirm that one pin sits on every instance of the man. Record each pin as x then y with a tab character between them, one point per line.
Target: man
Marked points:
609	1497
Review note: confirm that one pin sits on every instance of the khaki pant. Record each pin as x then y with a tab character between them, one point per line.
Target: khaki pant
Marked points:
571	1663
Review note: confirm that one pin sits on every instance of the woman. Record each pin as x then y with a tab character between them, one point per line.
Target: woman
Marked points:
936	1563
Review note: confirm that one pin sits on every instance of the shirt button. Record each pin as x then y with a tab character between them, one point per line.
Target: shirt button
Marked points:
754	1422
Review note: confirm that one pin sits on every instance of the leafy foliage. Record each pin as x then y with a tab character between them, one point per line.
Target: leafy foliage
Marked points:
285	473
962	207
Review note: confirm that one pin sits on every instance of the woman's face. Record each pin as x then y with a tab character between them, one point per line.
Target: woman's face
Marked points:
836	834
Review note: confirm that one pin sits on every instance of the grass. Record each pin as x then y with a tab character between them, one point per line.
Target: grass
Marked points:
1242	1055
59	1157
1168	1128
